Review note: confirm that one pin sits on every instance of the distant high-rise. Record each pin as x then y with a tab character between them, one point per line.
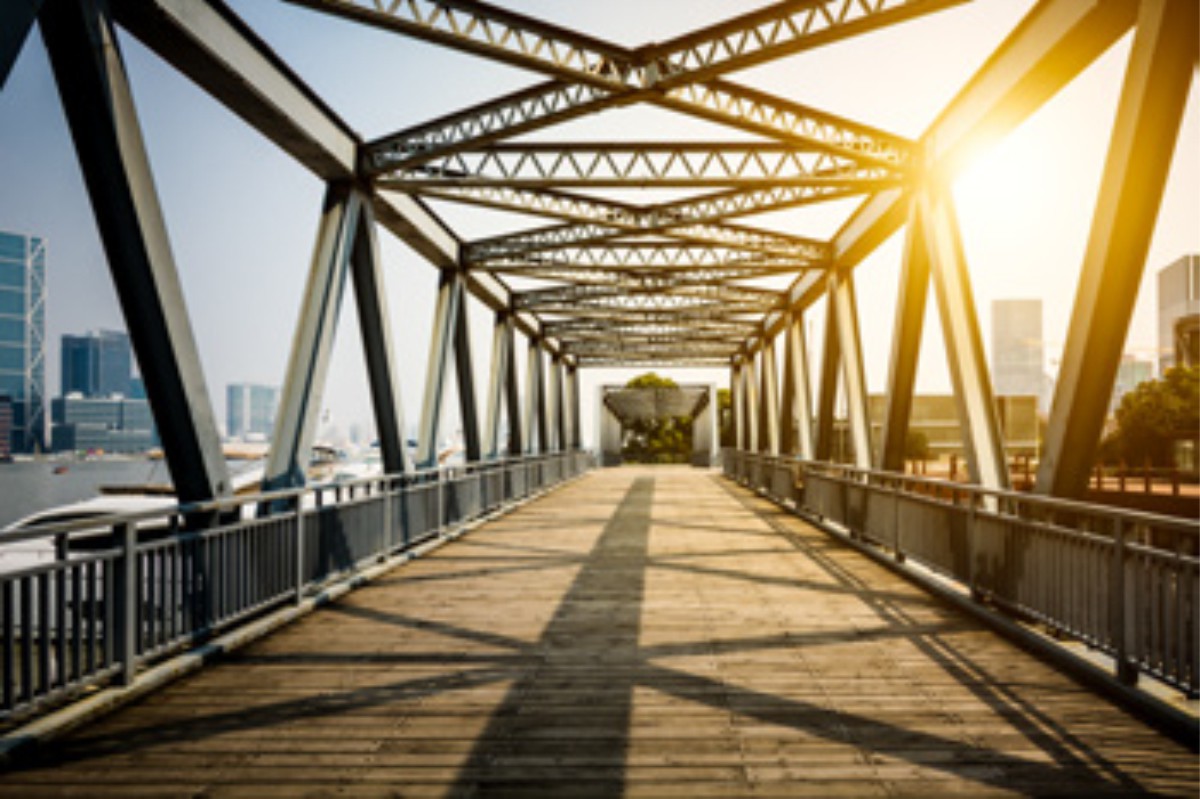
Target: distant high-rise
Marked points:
1179	313
97	365
250	409
23	337
1017	349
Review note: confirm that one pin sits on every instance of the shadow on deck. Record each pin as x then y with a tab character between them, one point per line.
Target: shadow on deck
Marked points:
644	631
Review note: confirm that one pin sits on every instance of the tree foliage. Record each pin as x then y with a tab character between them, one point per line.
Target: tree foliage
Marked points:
1152	417
665	440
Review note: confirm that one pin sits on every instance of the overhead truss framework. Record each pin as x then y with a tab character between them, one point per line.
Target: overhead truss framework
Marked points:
649	251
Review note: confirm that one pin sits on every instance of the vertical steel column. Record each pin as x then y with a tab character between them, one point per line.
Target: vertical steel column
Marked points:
444	329
750	404
797	433
516	441
770	399
16	20
576	439
831	356
312	342
535	400
906	344
964	347
858	412
92	84
501	353
558	416
736	400
1151	106
467	399
374	320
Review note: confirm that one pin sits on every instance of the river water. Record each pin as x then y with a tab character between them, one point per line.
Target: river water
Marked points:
30	486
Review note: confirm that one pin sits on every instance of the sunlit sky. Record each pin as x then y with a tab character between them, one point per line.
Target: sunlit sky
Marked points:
242	216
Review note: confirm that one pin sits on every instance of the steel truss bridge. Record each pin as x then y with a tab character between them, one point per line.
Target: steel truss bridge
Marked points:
612	276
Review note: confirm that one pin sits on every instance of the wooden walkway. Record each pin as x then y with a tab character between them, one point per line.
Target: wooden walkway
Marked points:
641	632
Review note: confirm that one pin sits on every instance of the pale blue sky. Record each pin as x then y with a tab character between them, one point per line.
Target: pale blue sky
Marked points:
242	215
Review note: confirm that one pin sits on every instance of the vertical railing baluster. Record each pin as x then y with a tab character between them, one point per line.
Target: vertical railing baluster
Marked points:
125	591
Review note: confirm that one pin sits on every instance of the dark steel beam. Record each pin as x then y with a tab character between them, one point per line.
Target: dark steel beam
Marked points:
449	300
796	436
92	83
906	345
375	324
16	21
1153	98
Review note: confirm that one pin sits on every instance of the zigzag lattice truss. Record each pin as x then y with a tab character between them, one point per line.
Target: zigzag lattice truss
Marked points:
614	278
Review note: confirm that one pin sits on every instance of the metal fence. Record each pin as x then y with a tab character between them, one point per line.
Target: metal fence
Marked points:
114	594
1124	583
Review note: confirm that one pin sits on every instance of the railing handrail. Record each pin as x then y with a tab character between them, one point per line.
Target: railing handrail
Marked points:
1139	517
237	501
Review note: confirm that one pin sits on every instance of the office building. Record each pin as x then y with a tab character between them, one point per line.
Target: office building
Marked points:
97	364
101	424
1017	349
1179	313
250	410
1130	373
23	338
6	418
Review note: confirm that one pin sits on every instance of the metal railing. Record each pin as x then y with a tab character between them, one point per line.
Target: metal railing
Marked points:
109	596
1124	583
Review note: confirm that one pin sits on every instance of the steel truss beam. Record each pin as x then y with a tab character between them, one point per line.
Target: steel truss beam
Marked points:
906	345
92	83
375	324
449	334
964	345
843	307
636	164
312	341
596	220
1153	98
16	20
769	442
1056	41
796	435
591	74
535	400
660	256
736	406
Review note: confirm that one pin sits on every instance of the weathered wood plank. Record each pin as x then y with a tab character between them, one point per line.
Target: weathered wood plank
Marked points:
642	632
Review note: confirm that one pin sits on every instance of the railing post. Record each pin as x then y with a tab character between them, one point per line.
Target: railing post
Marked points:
1126	671
896	553
976	594
441	500
126	594
299	559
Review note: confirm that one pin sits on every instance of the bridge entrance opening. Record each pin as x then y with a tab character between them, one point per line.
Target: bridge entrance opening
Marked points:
658	425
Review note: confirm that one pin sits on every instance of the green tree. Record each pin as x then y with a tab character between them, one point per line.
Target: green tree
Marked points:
1152	417
916	446
655	440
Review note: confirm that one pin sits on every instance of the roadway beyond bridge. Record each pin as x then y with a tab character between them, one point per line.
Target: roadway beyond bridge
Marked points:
640	632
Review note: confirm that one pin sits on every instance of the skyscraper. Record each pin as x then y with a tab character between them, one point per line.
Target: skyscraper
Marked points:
23	337
1017	349
1179	313
250	409
98	364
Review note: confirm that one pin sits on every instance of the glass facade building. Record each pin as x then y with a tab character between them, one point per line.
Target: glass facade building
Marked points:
1179	313
250	410
109	424
23	338
97	365
1017	348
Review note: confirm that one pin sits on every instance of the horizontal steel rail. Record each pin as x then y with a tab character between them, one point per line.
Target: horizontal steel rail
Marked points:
109	596
1124	583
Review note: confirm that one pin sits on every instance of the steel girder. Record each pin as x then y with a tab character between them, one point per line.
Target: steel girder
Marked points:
796	434
312	341
636	164
16	20
657	256
90	72
590	74
1161	69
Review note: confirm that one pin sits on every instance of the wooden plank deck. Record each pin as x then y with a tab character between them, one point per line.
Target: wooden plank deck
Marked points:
641	632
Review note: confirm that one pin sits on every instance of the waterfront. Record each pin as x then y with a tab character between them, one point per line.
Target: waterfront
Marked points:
30	486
